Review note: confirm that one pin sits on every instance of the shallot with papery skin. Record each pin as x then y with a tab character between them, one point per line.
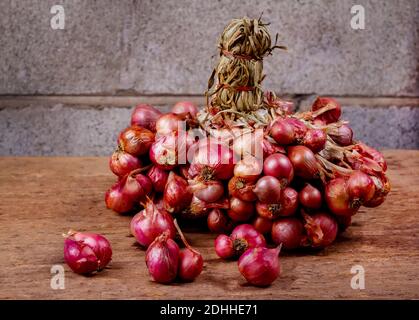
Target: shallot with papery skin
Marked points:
158	178
165	151
117	200
279	166
249	168
315	140
121	163
136	140
150	223
268	189
185	107
246	236
360	187
213	161
289	202
208	191
219	222
342	135
304	162
176	193
191	262
137	186
310	197
240	210
321	229
238	187
282	132
299	128
86	252
162	259
145	116
224	247
260	266
288	231
168	123
338	199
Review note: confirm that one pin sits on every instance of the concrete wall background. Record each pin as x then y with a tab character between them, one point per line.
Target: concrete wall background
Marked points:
164	49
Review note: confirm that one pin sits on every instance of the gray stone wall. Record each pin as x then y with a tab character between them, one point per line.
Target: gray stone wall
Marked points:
164	49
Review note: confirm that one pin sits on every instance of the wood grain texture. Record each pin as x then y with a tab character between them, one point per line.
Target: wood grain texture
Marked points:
43	197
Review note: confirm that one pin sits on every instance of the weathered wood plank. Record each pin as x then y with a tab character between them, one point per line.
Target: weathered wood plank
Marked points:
44	197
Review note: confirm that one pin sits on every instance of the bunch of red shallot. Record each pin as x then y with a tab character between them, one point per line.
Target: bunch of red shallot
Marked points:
294	182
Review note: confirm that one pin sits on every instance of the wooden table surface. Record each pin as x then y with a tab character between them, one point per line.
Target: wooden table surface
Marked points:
43	197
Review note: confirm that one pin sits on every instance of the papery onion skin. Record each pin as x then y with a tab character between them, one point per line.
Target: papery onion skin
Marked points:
288	231
145	115
248	168
168	123
162	259
321	229
240	210
176	193
338	199
191	264
330	116
279	166
282	132
268	189
79	257
310	197
315	140
239	188
224	246
151	223
121	163
182	107
99	244
213	161
260	266
158	178
136	140
219	222
304	162
86	252
117	201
